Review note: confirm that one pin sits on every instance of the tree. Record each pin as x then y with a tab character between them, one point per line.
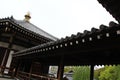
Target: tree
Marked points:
110	73
81	73
68	69
97	73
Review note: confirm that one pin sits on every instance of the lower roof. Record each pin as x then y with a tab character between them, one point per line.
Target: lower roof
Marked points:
98	46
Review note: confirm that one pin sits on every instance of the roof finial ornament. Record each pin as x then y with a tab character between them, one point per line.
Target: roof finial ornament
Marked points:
27	17
11	17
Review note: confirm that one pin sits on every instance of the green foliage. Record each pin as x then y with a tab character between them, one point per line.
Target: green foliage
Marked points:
68	68
108	73
97	73
105	73
81	73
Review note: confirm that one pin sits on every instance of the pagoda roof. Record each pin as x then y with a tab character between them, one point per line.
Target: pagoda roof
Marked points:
31	27
34	28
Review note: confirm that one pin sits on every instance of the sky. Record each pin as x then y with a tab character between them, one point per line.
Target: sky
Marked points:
60	18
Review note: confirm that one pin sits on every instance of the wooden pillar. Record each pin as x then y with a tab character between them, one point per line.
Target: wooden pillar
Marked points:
7	52
5	57
91	72
18	68
31	69
2	52
61	69
15	65
45	68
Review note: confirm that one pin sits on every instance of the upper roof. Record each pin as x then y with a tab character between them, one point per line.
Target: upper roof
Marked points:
113	7
33	28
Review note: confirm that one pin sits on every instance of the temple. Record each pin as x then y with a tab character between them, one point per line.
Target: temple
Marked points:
33	52
17	35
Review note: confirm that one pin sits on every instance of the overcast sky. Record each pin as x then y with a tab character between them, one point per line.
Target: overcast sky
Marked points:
58	17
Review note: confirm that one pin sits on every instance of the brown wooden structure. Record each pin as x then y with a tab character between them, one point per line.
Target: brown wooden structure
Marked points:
95	47
17	35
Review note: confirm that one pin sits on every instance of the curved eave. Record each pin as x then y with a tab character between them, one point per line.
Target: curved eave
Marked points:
9	25
80	43
33	28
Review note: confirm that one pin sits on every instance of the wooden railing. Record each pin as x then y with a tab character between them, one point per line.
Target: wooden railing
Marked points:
24	75
28	76
3	69
6	71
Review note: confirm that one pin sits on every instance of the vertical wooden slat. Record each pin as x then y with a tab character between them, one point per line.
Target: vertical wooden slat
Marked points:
91	72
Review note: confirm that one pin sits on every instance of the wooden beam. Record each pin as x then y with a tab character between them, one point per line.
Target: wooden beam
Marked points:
3	44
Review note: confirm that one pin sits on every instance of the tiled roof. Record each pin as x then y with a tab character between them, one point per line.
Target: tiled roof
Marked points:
29	27
34	28
84	39
113	7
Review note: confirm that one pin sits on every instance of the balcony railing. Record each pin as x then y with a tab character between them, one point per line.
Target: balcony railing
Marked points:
28	76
